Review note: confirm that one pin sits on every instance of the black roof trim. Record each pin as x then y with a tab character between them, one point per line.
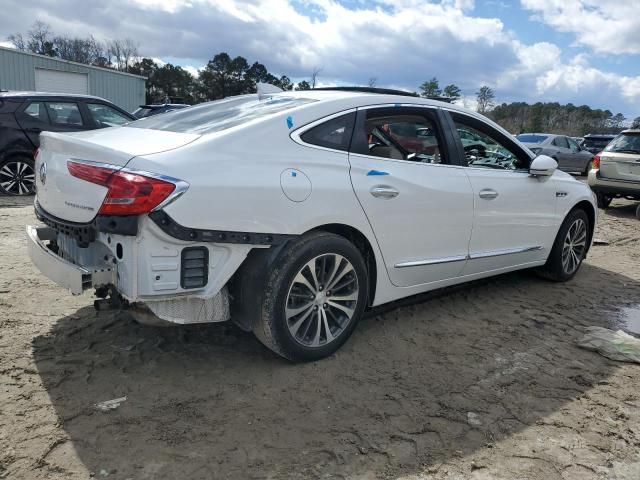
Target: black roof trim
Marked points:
383	91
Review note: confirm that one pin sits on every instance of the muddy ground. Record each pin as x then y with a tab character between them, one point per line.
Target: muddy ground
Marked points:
477	383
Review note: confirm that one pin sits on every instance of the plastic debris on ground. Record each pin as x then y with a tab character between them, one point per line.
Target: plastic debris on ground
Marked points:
616	345
109	405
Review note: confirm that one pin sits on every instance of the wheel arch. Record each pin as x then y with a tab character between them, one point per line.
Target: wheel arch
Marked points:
362	243
589	209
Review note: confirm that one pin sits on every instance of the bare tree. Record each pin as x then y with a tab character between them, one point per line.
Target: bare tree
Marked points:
373	81
121	53
18	41
40	39
314	76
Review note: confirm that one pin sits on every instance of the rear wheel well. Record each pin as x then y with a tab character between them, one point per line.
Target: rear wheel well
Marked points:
362	244
587	207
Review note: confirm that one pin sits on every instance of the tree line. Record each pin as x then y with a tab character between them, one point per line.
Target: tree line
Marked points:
225	76
552	117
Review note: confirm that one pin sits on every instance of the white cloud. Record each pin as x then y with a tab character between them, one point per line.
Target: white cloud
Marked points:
400	42
606	26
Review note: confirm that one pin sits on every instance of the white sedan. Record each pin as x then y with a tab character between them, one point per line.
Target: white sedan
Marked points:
291	213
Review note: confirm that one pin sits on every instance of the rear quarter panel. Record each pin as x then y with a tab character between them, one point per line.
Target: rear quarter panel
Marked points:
236	177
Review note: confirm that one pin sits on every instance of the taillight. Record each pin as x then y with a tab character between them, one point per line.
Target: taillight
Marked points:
596	162
128	193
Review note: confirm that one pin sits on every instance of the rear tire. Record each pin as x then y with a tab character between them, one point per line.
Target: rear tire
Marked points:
17	176
569	248
603	200
588	168
315	294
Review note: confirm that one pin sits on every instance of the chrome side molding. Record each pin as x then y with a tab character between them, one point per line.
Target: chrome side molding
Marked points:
431	261
473	256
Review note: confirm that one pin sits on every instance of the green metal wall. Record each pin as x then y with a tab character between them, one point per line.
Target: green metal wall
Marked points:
17	72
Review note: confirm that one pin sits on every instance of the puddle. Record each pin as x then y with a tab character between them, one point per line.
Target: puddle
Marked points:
630	319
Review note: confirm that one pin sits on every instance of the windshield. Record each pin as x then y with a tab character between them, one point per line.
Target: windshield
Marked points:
219	115
625	143
531	138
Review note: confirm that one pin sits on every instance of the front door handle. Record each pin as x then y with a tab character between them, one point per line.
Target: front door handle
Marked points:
488	194
384	191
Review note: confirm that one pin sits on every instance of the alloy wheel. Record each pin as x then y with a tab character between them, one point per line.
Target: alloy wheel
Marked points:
574	246
17	178
322	300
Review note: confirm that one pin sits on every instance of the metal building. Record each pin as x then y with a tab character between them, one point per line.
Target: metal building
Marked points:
31	72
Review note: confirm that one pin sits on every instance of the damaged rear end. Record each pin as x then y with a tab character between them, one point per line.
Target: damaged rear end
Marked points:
98	233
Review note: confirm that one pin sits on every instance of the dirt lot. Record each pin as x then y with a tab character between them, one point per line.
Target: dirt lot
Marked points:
477	383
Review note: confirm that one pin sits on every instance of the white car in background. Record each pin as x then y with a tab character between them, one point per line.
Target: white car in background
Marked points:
291	213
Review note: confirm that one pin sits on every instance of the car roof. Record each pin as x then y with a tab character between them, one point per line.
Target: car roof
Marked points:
631	130
27	94
599	135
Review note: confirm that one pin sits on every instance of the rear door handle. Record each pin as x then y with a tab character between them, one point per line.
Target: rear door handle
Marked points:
488	194
384	191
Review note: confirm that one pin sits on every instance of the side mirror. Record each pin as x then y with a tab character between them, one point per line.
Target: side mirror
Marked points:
543	166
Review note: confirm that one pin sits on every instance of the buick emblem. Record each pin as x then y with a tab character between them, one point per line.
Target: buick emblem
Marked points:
43	173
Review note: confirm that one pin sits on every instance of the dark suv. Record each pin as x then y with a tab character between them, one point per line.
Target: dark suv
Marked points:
23	115
595	143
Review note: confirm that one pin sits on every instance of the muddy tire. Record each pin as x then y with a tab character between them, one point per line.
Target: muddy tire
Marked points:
315	294
569	248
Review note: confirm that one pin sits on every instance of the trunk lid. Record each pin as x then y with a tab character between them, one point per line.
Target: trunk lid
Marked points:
75	200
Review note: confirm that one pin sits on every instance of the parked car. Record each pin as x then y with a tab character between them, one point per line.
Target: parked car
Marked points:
23	115
570	156
150	110
616	170
291	214
595	143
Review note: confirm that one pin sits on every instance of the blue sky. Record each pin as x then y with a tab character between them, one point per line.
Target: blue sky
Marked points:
579	51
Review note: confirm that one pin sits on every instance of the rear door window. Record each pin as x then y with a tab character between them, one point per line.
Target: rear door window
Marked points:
36	111
65	113
400	133
105	116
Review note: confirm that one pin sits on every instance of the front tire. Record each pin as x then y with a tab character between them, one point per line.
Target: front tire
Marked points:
569	248
315	295
17	176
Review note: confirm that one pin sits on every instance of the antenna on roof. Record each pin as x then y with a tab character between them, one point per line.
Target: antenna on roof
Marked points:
266	89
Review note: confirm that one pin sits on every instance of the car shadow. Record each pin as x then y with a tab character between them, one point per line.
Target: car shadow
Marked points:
8	201
622	208
437	376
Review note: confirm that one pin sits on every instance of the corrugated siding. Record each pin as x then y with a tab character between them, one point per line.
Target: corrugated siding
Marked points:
17	72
